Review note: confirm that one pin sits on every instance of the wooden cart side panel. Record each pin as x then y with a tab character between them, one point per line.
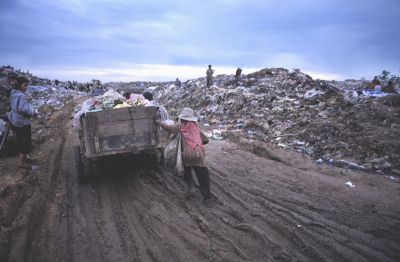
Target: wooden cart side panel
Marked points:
87	137
119	130
122	114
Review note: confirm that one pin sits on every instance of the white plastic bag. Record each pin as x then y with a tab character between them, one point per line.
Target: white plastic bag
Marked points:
170	152
173	155
180	170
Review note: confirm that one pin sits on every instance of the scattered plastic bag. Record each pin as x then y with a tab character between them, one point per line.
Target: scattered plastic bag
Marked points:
86	106
374	93
351	165
170	152
349	184
113	95
312	93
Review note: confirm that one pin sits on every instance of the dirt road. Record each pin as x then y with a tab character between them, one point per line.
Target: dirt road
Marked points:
287	209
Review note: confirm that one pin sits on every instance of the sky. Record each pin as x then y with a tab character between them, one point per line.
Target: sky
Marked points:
138	40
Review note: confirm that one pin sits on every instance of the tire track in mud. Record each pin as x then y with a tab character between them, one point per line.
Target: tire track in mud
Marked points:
333	243
126	214
166	232
35	208
198	218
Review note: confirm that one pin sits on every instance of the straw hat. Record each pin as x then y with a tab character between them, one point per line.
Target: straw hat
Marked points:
188	115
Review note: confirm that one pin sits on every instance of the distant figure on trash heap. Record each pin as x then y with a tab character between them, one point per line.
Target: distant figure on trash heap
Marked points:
193	154
209	75
20	118
178	82
238	74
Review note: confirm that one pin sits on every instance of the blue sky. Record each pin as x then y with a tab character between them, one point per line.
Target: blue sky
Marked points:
124	40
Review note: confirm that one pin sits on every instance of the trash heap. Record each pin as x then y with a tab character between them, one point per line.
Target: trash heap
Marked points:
45	97
291	110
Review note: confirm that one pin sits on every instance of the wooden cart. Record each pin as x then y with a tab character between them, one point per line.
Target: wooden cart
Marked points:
116	132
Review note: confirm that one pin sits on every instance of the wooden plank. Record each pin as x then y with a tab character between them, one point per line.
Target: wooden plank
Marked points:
122	114
116	128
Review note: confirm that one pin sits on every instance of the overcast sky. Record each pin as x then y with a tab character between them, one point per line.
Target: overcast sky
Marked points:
131	40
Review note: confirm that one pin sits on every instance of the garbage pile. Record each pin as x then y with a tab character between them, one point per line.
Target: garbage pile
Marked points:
45	95
51	97
291	110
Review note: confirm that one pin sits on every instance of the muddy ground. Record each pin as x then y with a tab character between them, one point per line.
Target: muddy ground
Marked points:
273	206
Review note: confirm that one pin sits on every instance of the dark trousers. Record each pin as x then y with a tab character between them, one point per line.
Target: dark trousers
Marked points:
24	139
202	176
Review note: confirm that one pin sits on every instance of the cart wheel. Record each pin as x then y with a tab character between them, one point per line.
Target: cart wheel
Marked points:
79	165
152	158
87	172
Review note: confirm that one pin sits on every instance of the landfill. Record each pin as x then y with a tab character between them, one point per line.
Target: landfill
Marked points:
273	203
351	123
45	95
345	123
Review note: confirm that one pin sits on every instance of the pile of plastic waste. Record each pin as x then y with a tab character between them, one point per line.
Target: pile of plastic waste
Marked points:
290	110
110	100
48	96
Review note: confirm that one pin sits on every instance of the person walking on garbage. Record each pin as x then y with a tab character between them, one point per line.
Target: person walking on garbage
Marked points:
193	155
237	75
178	82
20	118
209	74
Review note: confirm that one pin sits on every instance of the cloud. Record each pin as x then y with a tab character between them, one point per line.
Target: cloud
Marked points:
338	37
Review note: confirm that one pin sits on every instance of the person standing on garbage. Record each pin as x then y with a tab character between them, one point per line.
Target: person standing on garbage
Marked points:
209	74
193	155
237	75
178	83
20	118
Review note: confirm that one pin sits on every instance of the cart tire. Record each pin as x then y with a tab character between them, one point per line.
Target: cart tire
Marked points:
79	165
152	158
87	171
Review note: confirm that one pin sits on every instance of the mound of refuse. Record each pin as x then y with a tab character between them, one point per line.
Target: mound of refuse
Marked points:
45	95
340	123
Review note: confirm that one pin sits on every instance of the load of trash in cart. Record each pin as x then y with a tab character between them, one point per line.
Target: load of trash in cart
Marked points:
110	100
